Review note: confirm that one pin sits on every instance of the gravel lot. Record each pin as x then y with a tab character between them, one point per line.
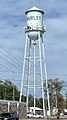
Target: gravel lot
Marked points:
51	118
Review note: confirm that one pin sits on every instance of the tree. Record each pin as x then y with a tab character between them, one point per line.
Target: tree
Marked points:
1	89
6	90
55	86
40	103
31	99
66	100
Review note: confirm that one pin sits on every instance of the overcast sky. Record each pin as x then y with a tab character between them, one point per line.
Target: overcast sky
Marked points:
12	35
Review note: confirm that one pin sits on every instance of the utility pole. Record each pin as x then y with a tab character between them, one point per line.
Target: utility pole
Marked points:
13	85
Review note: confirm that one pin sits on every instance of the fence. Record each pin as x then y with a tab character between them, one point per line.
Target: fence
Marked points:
8	106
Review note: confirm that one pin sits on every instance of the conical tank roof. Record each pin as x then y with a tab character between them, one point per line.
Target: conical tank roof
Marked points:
34	8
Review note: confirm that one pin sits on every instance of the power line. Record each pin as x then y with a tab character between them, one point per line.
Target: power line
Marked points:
9	75
10	63
5	70
11	56
18	64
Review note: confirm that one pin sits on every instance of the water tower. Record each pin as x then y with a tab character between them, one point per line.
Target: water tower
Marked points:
34	65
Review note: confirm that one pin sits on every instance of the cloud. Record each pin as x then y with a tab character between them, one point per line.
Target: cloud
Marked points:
56	46
57	29
12	35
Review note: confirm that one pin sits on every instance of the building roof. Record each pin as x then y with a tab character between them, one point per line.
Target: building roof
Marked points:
34	8
36	108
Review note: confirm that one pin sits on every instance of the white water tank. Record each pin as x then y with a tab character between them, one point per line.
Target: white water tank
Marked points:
34	22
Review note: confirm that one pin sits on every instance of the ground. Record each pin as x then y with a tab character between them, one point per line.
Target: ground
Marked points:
51	118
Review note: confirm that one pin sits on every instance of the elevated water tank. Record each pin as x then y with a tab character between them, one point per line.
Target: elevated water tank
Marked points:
34	22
